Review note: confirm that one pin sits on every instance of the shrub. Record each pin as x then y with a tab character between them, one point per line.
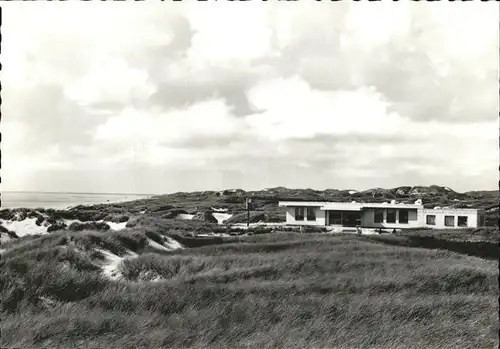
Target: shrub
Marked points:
75	226
58	226
116	218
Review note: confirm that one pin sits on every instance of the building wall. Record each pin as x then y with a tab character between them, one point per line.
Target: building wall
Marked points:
320	217
368	219
416	218
472	218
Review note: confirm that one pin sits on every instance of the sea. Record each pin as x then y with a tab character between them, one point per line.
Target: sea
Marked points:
29	199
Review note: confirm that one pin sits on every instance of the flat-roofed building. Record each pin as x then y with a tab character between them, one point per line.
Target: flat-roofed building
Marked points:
379	215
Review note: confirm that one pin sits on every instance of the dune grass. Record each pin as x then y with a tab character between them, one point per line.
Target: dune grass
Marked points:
482	242
282	290
489	234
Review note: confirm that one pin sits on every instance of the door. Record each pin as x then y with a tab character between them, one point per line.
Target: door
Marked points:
351	218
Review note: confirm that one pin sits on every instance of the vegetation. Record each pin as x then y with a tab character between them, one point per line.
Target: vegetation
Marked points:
490	234
284	290
232	287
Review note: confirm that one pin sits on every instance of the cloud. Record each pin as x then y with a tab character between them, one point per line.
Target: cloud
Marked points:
205	119
291	108
238	32
17	167
417	59
112	81
351	94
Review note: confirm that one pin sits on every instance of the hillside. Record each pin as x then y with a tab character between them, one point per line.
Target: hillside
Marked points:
267	199
136	289
164	272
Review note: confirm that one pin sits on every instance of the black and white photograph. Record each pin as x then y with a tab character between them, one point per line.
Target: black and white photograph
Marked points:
249	174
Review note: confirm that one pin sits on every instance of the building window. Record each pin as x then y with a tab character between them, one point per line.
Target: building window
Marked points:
431	219
462	221
335	217
403	216
481	221
311	214
449	221
391	216
378	216
299	213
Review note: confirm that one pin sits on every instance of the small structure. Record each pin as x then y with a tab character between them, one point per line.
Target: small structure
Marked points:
379	215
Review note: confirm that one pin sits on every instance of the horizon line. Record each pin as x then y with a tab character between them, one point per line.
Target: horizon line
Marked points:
156	194
74	192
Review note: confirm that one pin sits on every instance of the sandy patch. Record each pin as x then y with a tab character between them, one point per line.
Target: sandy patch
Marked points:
169	244
112	225
172	244
158	246
213	235
111	266
116	226
221	217
68	222
221	210
25	227
185	216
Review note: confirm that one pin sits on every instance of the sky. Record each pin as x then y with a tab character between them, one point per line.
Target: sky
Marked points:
169	96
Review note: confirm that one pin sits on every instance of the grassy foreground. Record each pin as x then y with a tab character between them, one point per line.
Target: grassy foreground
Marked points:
282	290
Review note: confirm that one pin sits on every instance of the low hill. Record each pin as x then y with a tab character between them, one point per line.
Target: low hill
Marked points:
161	272
138	289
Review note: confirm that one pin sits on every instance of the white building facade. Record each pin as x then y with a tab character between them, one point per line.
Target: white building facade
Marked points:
379	215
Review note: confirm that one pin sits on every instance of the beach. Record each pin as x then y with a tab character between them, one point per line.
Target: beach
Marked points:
29	199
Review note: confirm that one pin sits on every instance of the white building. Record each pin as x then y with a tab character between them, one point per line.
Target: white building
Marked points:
379	215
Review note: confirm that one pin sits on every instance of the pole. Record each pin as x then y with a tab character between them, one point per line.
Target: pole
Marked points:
248	201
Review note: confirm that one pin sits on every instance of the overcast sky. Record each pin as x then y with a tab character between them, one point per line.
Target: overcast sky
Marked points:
164	97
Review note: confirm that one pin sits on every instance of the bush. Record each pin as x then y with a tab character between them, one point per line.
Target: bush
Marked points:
6	214
116	218
255	217
133	241
159	208
8	232
100	226
40	220
172	213
57	226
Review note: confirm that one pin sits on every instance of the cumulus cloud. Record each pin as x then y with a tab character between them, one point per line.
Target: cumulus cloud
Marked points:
211	95
292	109
205	119
111	81
229	33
